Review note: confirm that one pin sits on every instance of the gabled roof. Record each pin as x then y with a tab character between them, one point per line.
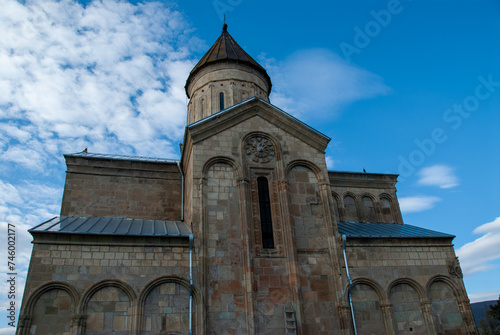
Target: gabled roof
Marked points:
113	226
246	109
225	49
387	230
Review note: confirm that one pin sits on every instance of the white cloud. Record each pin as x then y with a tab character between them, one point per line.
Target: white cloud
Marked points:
484	296
319	81
417	203
477	255
7	331
438	175
24	206
330	163
105	76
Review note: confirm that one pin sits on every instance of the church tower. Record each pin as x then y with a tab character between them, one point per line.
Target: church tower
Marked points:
224	76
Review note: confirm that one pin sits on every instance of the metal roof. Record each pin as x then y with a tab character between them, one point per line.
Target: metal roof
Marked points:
225	48
358	229
113	226
121	157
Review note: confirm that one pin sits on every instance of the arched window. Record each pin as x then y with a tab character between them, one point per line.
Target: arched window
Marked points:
265	213
351	212
369	209
221	100
386	210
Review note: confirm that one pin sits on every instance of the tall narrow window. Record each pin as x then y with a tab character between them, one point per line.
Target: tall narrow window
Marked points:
265	213
221	100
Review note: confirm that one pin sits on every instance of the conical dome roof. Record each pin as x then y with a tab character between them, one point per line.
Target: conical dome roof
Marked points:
225	49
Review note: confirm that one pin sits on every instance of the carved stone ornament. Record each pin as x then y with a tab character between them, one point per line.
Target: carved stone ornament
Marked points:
454	268
259	149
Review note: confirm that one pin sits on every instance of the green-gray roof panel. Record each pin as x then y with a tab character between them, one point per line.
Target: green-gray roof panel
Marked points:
358	229
113	226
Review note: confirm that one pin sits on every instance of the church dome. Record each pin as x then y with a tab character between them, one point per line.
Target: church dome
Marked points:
224	76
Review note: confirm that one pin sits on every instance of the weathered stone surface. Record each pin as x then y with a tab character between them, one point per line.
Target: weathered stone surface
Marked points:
119	188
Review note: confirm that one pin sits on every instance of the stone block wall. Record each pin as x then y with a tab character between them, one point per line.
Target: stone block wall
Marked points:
373	197
52	313
226	308
108	284
311	240
166	309
404	286
122	189
248	286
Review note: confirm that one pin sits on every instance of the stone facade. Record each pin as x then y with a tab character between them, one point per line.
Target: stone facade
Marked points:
409	282
118	188
80	284
365	197
269	250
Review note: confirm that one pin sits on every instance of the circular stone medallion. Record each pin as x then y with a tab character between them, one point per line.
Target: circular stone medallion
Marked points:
259	149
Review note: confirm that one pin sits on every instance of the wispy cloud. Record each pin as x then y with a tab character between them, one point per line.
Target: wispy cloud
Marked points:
477	255
438	175
330	163
417	203
24	206
320	81
107	76
484	296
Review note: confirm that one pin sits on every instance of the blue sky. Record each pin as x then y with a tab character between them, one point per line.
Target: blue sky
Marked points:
407	87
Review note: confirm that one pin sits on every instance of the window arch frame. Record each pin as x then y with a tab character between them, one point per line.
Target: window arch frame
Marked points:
367	216
391	213
356	208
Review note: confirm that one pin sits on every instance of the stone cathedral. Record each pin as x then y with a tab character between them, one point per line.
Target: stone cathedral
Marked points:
248	233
